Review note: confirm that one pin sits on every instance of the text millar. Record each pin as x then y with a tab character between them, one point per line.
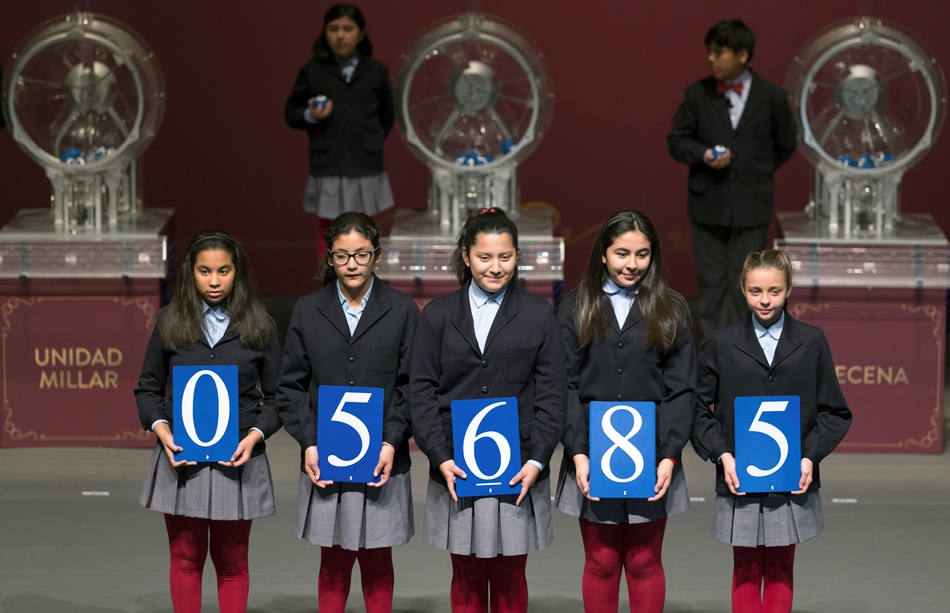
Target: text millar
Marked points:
77	376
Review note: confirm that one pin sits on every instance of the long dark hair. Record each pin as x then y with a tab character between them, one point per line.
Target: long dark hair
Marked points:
181	323
344	224
320	48
482	221
664	311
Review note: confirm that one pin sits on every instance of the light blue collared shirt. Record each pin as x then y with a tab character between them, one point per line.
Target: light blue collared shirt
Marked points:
621	299
215	323
484	308
353	315
768	337
737	101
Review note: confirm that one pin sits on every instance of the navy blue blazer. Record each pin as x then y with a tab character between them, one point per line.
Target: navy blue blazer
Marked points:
319	350
523	358
257	380
619	366
349	142
733	364
739	195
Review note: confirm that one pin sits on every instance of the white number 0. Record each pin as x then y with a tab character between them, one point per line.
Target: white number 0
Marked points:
188	407
621	442
773	406
471	437
354	422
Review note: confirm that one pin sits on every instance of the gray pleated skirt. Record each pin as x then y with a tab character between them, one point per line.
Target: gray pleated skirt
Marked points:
328	197
773	521
209	491
570	500
354	515
489	526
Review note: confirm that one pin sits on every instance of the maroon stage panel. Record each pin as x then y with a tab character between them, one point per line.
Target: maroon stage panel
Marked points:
72	352
888	348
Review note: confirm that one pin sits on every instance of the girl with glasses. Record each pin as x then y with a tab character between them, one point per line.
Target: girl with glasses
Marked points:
355	331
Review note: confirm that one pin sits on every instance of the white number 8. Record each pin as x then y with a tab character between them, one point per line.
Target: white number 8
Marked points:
621	442
773	406
471	437
188	407
354	422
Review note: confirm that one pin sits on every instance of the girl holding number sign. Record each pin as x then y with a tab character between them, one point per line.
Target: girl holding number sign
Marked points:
354	332
489	339
214	319
769	354
626	338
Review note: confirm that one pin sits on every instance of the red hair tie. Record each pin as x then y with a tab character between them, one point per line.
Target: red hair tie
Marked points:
491	210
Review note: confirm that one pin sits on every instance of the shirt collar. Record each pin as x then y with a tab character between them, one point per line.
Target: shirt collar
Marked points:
480	297
612	289
353	61
744	78
775	330
343	299
217	311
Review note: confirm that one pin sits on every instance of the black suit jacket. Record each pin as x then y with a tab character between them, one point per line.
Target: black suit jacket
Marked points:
523	358
257	380
319	350
740	194
348	143
733	364
620	367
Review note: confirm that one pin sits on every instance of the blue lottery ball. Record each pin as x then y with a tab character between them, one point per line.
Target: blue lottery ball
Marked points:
882	158
103	152
508	145
70	154
865	161
319	102
847	160
718	151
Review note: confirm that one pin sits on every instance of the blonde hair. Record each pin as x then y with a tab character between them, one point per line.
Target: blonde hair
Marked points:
771	259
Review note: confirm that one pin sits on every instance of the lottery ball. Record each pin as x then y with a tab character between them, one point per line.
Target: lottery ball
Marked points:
319	103
847	160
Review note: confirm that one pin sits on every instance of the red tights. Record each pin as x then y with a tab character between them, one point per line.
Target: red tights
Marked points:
753	566
635	549
376	575
472	578
188	539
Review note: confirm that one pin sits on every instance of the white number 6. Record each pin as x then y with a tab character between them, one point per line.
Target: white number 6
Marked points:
774	406
471	437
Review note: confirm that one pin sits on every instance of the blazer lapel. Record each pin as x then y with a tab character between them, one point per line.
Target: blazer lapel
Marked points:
747	343
462	319
329	305
379	303
752	103
633	317
718	103
788	343
507	310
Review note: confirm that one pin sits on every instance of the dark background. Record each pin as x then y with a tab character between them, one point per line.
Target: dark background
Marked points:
224	158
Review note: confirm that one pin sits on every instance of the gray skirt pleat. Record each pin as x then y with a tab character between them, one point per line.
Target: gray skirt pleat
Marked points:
332	196
209	491
570	500
489	526
772	521
353	515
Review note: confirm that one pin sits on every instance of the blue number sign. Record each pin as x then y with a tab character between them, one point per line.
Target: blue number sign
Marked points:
768	443
349	432
487	445
622	449
204	399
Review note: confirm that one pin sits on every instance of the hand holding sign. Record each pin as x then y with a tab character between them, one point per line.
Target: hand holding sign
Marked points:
768	444
204	399
350	423
487	447
623	448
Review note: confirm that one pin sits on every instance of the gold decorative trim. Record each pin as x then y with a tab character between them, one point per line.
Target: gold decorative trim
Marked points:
142	303
936	315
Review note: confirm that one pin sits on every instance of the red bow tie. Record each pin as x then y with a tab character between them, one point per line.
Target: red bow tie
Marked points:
722	87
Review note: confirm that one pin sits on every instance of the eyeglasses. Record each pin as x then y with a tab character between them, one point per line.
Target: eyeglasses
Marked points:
341	258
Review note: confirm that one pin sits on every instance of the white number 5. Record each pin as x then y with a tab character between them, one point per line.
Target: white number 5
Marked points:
354	422
773	433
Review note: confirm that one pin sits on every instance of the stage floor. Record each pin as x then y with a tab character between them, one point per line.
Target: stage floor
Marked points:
75	540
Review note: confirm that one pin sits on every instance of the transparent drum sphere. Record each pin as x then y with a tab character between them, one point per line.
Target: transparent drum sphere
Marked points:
87	85
863	87
469	85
